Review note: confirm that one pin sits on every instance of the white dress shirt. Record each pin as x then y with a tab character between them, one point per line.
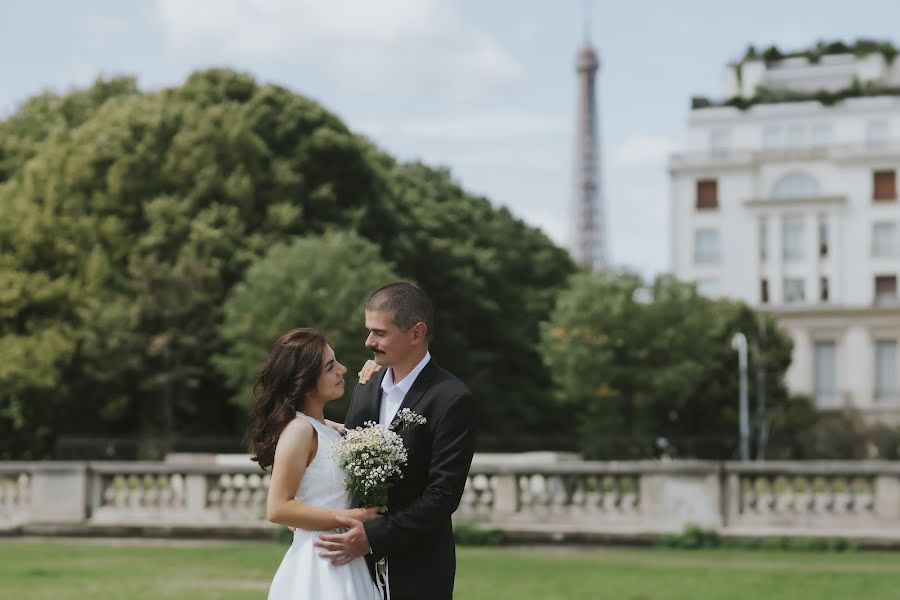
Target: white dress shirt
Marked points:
393	393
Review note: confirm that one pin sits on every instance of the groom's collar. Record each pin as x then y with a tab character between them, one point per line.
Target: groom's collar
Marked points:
407	382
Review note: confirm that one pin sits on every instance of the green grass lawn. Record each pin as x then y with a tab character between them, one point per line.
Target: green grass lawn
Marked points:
114	570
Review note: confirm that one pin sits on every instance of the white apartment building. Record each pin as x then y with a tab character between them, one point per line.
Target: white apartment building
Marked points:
792	207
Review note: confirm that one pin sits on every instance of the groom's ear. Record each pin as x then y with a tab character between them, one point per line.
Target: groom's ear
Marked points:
419	332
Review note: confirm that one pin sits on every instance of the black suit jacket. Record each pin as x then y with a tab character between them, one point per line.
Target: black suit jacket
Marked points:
416	533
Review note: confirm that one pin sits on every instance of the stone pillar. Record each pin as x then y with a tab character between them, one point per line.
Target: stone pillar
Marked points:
811	257
674	498
732	501
776	258
195	490
58	493
506	494
887	497
835	272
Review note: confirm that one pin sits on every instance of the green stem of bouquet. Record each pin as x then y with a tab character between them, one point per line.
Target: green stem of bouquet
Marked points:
374	498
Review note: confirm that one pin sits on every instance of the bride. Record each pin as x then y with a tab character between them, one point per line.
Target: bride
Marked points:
288	433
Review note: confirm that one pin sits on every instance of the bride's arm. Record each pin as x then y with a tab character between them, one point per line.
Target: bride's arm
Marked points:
292	453
370	368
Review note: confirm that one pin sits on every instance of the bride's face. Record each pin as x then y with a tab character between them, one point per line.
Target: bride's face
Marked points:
331	380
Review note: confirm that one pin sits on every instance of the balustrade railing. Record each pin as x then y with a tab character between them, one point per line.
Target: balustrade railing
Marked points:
809	497
859	499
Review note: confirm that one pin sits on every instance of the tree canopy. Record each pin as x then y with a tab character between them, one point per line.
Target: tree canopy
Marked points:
131	221
648	369
317	281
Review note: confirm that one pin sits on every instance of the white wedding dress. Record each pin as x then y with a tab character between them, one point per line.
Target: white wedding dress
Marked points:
303	574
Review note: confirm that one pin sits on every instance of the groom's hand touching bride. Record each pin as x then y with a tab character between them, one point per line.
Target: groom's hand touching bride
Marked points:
341	548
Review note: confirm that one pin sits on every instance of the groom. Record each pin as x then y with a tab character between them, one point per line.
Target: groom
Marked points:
416	534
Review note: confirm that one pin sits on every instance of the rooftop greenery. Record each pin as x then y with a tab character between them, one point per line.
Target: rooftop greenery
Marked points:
860	48
772	55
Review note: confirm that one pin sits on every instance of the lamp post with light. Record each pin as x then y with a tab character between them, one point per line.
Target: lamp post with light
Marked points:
739	343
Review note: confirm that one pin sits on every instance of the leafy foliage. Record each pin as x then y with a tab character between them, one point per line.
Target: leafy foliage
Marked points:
646	378
319	281
128	220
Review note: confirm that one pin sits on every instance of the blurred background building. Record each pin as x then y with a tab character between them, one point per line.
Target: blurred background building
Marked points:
786	198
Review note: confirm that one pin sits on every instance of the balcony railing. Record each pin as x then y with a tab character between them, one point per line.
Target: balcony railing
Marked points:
724	157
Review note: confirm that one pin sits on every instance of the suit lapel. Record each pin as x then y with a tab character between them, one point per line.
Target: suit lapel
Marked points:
373	402
418	389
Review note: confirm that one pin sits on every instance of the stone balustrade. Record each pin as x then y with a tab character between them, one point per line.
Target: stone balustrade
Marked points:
636	498
842	498
570	499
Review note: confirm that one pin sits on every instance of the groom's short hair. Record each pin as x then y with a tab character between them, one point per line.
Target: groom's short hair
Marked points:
406	302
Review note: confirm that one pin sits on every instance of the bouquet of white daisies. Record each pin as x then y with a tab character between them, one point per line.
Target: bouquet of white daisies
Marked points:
373	456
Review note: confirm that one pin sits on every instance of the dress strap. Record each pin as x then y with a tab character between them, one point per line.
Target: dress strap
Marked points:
318	425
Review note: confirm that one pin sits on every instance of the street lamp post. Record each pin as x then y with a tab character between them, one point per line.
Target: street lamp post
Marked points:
739	343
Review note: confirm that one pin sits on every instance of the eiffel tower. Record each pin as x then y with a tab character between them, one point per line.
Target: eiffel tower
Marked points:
588	219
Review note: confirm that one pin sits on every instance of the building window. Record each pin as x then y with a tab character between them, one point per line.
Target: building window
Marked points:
794	290
763	239
706	246
707	194
796	185
764	291
876	134
884	240
885	369
885	289
823	237
825	374
884	186
792	238
823	289
708	287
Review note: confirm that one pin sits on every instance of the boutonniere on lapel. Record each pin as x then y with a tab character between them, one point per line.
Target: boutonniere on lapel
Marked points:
373	456
407	419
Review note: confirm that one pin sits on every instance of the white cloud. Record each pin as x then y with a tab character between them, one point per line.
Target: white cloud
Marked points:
390	46
642	150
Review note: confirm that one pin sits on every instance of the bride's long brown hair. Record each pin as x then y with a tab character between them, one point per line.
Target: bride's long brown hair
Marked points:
290	373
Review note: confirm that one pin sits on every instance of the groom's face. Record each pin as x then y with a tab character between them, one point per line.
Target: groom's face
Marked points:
390	344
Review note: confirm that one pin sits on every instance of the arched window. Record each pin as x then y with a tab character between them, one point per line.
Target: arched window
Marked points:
796	185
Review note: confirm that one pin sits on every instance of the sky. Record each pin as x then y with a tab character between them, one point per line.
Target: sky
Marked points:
486	88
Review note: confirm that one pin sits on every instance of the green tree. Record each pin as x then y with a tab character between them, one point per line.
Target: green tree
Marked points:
493	280
639	364
318	281
127	218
